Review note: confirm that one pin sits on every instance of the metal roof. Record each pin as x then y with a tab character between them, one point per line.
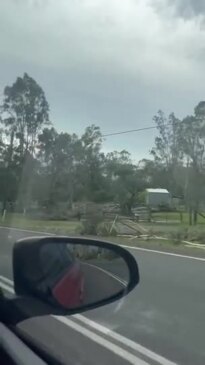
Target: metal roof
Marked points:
161	191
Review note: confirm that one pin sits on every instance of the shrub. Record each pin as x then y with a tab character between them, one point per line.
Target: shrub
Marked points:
79	228
105	229
150	233
196	235
90	225
179	235
86	252
176	236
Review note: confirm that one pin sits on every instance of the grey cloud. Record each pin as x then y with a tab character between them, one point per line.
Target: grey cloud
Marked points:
109	62
190	8
186	9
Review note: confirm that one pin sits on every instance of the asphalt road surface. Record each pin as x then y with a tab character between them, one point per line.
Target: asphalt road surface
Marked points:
99	284
161	322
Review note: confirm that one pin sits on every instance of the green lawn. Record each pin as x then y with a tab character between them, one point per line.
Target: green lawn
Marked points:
167	216
175	216
51	226
173	230
177	231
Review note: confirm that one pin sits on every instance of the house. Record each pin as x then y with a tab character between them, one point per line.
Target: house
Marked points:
158	197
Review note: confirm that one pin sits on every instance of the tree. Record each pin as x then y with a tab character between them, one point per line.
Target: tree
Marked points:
59	154
180	152
167	152
90	171
24	112
124	179
192	144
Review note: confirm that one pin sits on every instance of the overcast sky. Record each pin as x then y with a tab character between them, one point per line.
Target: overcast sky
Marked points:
113	63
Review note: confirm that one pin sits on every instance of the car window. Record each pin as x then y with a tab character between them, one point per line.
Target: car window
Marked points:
102	135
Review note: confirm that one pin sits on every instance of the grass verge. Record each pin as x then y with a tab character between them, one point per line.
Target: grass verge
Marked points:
51	226
74	227
160	245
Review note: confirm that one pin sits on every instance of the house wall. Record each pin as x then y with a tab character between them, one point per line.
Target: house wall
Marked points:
156	199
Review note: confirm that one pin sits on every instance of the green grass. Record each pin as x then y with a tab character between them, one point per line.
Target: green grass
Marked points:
171	216
177	231
174	217
51	226
174	232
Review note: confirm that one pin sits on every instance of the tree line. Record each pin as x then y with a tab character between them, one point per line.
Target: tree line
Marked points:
38	164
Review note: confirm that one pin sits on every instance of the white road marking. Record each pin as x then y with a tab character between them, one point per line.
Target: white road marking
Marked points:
164	253
105	331
26	230
7	287
125	246
124	340
6	280
132	359
123	282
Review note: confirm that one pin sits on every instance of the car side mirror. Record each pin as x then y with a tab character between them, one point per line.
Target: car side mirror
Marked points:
72	275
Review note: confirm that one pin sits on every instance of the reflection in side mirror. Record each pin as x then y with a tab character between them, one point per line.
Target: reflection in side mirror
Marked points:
73	273
76	275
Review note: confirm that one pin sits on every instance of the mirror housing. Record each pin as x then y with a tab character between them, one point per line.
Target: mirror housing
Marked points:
84	272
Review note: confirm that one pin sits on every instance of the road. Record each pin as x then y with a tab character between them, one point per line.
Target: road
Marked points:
99	284
160	322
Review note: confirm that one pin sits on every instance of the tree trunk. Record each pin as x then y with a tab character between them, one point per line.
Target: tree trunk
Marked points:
195	216
181	217
190	217
149	214
10	155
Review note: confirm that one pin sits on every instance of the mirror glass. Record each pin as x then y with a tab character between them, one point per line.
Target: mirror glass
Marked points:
74	275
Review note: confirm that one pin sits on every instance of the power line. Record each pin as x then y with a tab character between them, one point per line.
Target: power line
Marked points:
145	128
129	131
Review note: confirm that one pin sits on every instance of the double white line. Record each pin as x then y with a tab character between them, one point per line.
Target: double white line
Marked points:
6	284
103	336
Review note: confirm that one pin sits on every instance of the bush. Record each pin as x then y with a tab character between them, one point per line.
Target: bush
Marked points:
196	235
85	252
90	225
108	255
192	234
179	235
79	228
150	233
105	229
